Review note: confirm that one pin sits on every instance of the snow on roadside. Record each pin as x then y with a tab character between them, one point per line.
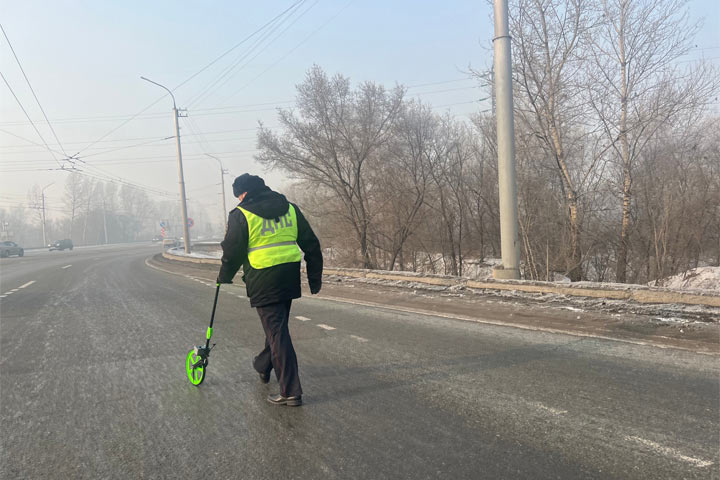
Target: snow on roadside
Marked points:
179	251
701	278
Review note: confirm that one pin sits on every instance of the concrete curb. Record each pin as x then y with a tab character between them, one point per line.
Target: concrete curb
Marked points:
637	293
180	258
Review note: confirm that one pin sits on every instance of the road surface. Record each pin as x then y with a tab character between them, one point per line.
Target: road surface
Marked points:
93	385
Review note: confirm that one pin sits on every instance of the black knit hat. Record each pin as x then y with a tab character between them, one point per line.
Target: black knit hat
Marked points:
247	183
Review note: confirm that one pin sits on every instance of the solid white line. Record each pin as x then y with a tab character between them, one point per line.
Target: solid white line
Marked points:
671	452
27	284
67	266
326	327
359	339
302	319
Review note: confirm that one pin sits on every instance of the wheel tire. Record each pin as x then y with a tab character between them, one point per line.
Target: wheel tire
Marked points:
71	249
195	375
22	253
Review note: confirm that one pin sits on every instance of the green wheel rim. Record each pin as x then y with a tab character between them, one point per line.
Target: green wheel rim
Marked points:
196	374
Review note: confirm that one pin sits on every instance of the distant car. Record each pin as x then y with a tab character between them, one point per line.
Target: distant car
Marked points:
11	248
61	245
157	238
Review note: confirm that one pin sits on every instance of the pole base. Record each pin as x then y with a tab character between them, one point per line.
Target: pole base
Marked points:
502	273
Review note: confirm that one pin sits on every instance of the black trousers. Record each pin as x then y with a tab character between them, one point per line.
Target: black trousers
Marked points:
278	352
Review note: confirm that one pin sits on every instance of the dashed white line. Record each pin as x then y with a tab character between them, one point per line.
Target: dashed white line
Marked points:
27	284
670	452
67	266
13	290
3	296
359	339
301	318
325	327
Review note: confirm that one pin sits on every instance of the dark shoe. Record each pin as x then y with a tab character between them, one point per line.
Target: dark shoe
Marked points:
289	401
264	377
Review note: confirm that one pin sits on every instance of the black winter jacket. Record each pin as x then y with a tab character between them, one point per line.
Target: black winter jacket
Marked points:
281	282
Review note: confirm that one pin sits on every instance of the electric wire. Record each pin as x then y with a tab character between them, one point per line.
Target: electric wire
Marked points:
192	76
33	91
31	122
228	71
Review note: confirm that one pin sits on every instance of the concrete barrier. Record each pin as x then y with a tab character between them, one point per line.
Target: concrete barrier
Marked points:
614	291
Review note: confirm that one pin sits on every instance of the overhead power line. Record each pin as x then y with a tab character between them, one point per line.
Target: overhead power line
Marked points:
298	45
194	74
31	122
33	91
227	73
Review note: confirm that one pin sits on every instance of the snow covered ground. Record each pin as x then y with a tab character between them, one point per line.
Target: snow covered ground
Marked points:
180	251
701	278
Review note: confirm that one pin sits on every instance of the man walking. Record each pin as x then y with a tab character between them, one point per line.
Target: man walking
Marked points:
263	235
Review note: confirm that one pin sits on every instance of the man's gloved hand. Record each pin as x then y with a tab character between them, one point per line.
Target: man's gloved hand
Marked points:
219	280
315	287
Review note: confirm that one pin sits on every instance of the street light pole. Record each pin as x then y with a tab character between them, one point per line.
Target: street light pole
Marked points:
222	182
183	201
502	84
42	194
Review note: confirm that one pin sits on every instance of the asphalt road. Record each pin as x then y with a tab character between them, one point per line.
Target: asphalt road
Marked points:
93	385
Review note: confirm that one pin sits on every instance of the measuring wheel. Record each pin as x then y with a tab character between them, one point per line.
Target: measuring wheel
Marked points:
196	366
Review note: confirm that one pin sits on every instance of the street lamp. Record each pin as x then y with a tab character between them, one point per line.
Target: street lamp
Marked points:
186	231
222	182
42	194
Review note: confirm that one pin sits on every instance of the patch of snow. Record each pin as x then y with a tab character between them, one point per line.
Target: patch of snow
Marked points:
703	278
179	251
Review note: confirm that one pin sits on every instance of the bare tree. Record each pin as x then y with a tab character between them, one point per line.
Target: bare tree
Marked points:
334	141
638	86
73	198
404	174
549	65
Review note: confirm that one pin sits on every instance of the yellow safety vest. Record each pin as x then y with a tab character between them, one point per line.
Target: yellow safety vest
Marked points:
272	242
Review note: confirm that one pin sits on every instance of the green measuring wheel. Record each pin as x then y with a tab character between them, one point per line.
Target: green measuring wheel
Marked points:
196	367
199	357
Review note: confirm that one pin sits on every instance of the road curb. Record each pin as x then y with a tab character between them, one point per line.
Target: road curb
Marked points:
637	293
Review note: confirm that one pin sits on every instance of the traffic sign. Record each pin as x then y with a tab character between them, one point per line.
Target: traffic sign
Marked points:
163	224
162	232
191	222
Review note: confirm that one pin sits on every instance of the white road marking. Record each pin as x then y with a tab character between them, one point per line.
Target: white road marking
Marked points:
27	284
554	411
7	293
67	266
240	296
359	339
670	452
13	290
3	296
326	327
301	318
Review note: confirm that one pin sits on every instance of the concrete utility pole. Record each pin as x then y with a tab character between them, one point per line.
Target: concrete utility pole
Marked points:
186	229
42	194
506	146
222	182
